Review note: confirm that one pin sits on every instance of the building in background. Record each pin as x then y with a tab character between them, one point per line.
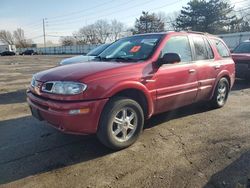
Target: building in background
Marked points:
234	39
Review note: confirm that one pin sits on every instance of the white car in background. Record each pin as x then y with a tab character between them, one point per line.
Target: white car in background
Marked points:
84	58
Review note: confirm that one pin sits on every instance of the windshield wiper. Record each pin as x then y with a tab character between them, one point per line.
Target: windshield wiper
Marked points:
124	59
100	58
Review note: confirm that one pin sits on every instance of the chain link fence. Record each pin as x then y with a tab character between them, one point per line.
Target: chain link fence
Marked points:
76	49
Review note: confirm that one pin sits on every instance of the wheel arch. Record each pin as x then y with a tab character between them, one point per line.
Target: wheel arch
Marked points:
137	92
223	74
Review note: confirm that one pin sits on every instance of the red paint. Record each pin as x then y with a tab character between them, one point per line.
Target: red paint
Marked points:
165	87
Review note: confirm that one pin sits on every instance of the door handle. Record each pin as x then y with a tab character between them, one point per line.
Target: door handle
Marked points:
191	71
217	66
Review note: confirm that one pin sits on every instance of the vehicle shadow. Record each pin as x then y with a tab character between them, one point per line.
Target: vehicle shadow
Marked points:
241	84
178	113
29	147
237	174
13	97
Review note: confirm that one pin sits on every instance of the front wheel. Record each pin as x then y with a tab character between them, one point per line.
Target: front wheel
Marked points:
221	93
121	123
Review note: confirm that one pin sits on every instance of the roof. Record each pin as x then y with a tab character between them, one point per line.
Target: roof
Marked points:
172	31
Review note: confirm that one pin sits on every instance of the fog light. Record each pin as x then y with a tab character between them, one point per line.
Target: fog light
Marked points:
79	111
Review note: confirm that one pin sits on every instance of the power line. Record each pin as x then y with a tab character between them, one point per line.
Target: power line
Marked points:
163	6
60	22
114	12
247	8
36	37
86	15
80	11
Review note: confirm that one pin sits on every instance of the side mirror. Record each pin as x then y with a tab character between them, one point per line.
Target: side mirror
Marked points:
170	58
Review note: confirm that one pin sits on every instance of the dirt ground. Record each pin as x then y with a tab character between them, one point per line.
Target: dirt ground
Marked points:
194	146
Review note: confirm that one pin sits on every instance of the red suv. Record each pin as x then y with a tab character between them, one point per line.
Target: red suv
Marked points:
134	78
241	57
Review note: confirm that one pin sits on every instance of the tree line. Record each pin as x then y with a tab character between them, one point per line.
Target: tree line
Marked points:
212	16
17	37
97	33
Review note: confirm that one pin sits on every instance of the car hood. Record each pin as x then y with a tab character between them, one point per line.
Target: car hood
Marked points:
76	72
245	56
76	59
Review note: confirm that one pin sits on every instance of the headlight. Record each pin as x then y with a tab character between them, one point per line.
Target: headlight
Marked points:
33	81
64	87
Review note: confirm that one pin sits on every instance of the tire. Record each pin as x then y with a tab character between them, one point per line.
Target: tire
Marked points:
220	93
121	123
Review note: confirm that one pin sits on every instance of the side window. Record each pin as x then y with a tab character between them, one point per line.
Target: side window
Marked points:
179	45
202	48
209	49
221	48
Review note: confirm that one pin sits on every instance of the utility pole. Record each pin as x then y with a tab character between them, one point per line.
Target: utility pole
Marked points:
44	36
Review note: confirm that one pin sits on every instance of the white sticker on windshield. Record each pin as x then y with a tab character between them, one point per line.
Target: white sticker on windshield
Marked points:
149	41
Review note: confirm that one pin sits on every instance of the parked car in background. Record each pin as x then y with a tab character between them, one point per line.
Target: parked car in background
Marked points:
241	57
28	52
83	58
7	47
8	53
134	78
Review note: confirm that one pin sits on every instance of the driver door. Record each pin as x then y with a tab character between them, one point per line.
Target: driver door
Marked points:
176	84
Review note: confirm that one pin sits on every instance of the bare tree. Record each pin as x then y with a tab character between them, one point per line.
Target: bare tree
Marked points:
117	29
67	41
102	28
6	37
100	32
20	40
245	15
170	21
87	35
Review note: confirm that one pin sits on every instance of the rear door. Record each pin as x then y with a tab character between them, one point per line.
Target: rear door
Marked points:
176	84
206	66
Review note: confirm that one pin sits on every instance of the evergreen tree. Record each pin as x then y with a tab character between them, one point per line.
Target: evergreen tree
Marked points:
148	23
213	16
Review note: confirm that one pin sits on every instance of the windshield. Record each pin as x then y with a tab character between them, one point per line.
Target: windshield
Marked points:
242	48
132	49
96	51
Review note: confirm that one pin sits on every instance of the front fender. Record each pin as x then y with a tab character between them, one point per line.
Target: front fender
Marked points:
150	95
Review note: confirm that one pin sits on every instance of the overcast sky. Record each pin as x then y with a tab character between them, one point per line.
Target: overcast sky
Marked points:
64	16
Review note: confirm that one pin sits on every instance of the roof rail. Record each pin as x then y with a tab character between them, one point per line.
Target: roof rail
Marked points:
195	32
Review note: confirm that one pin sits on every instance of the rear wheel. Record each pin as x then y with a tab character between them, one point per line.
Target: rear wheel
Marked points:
121	123
221	93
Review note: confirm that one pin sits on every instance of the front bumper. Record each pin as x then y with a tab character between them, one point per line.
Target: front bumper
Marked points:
57	113
242	70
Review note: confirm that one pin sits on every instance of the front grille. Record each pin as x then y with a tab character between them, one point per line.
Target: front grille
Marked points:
243	63
40	105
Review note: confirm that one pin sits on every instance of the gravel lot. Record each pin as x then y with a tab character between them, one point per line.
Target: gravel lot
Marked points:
194	146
